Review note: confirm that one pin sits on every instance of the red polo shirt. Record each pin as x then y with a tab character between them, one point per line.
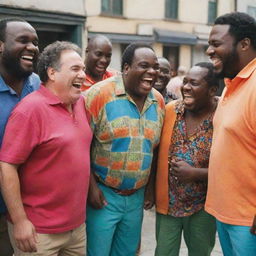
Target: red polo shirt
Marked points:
51	147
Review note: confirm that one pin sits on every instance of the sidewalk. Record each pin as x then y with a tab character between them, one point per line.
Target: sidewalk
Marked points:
148	238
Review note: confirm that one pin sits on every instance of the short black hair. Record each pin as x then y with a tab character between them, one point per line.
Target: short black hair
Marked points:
50	57
211	78
241	25
3	24
129	51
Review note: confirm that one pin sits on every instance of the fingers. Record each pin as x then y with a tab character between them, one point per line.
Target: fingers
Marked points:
148	205
27	245
103	200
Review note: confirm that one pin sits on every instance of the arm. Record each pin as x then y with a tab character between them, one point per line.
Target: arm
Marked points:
149	200
23	230
186	173
95	196
253	227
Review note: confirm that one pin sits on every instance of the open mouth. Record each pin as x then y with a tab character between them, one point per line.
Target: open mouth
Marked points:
27	58
77	85
216	62
188	99
101	68
147	83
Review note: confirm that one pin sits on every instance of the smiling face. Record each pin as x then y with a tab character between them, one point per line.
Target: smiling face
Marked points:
141	75
20	49
223	52
195	91
68	78
164	75
98	57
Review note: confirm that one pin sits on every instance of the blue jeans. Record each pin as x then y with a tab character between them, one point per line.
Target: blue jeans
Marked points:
236	240
115	229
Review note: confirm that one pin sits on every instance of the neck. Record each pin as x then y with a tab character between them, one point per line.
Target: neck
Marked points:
204	111
96	78
14	82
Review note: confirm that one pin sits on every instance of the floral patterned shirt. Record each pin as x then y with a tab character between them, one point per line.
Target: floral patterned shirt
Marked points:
188	198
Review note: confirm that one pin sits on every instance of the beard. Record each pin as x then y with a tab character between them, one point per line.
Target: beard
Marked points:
229	64
13	66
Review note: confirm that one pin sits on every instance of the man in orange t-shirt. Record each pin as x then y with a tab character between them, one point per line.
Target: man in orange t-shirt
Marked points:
231	195
97	60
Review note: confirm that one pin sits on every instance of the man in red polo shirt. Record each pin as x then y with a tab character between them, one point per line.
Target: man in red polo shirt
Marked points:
97	60
45	160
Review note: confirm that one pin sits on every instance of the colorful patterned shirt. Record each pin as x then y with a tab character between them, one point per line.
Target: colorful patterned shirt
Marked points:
124	137
188	198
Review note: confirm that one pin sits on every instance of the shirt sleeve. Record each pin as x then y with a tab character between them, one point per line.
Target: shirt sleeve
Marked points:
20	138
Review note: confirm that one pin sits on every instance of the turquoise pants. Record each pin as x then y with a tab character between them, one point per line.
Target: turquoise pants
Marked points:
115	230
236	240
198	229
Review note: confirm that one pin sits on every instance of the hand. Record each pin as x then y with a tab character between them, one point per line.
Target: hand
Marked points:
96	197
149	200
253	227
25	236
182	171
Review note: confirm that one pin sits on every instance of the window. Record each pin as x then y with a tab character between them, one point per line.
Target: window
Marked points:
112	7
171	9
212	11
251	10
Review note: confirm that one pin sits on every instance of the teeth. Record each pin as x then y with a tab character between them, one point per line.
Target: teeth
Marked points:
148	79
27	57
77	85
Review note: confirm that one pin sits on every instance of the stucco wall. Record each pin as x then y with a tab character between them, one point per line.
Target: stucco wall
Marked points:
74	7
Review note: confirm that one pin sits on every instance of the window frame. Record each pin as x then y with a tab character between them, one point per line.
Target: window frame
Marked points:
212	11
110	11
169	13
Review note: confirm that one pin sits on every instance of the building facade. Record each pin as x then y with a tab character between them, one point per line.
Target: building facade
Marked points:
53	20
177	29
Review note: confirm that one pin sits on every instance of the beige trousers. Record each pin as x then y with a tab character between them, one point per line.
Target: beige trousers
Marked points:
70	243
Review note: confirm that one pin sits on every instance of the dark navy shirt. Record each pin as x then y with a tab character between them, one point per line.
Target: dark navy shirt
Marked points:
8	100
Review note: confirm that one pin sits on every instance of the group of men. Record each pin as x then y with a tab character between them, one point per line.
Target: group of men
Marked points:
59	145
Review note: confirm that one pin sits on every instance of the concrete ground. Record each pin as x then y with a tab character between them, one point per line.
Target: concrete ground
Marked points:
148	238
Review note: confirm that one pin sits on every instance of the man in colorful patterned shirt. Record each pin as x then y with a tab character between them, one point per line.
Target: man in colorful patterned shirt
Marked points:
97	60
126	117
183	165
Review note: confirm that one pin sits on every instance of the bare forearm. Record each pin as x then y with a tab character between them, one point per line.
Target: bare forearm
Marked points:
201	174
10	187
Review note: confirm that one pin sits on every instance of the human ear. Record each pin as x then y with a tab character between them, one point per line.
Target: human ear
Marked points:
1	46
126	69
51	73
213	90
245	43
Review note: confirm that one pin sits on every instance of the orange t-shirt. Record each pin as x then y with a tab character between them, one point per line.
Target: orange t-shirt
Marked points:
89	81
231	196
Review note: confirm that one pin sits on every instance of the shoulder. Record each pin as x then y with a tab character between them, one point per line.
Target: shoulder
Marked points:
30	104
34	81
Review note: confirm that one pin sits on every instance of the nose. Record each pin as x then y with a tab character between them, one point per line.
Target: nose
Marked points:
186	86
32	47
81	73
209	51
104	59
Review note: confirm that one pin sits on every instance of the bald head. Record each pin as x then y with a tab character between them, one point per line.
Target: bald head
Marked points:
98	39
98	56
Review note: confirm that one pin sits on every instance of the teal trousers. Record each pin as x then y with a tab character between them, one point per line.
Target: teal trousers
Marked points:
115	229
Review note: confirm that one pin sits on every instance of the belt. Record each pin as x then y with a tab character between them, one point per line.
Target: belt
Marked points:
123	192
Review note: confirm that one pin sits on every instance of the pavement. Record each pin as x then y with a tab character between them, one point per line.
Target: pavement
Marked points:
148	243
